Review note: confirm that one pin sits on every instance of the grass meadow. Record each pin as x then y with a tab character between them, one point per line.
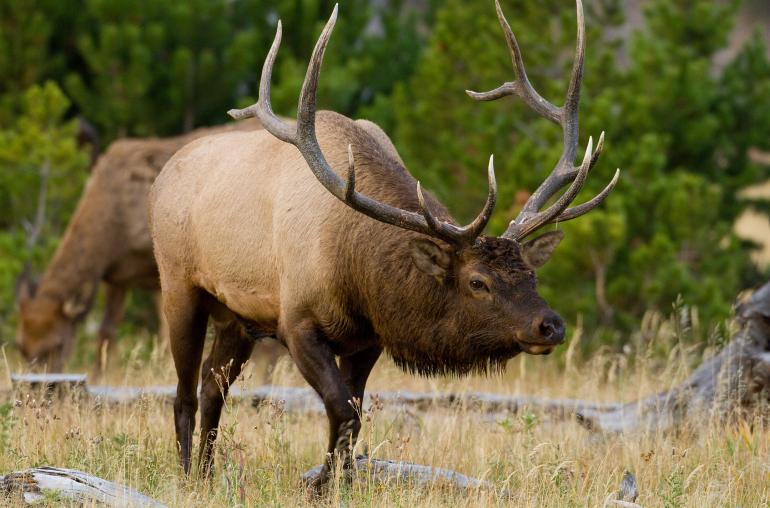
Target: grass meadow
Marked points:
263	451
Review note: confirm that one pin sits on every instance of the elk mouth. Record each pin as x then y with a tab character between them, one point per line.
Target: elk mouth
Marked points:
536	349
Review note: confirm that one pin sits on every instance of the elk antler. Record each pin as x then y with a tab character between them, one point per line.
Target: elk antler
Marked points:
530	218
303	136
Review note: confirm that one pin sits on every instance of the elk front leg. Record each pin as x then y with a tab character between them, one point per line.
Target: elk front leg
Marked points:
316	361
356	368
187	319
115	300
230	351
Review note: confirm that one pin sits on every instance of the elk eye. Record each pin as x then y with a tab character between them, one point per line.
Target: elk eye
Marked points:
478	285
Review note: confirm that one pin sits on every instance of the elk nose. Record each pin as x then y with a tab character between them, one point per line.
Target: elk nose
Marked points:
551	328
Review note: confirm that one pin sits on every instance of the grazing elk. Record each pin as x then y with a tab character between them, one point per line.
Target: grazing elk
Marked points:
317	233
107	239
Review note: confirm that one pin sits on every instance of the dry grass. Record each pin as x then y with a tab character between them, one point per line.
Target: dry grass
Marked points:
263	452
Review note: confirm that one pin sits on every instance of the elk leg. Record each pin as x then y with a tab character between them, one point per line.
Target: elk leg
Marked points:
356	369
163	334
115	300
231	350
187	318
316	361
270	351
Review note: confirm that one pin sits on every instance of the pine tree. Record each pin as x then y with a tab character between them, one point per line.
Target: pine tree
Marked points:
43	173
24	57
672	125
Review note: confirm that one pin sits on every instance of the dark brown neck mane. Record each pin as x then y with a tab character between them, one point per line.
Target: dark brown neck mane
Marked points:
408	310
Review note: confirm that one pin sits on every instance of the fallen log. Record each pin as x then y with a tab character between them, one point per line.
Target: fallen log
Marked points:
43	483
306	399
389	472
48	382
733	383
735	380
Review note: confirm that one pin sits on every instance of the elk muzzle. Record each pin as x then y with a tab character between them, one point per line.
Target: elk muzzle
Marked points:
547	332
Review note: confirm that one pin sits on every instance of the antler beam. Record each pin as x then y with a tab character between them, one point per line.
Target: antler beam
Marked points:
531	218
302	134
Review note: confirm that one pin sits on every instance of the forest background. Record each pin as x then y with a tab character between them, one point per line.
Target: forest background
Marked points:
681	87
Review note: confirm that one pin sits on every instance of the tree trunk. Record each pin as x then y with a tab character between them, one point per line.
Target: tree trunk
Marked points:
732	383
35	228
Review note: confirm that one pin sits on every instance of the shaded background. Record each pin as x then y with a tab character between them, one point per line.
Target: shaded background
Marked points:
682	88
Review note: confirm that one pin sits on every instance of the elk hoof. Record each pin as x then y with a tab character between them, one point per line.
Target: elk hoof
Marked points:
315	482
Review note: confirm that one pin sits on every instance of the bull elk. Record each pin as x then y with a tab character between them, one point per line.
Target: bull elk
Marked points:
316	233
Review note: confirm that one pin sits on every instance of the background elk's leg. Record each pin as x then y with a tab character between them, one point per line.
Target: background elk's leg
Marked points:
268	352
230	351
115	300
187	317
163	336
316	361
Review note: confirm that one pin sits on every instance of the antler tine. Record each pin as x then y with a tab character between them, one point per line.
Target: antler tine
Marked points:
467	233
521	87
307	98
568	119
577	211
263	109
518	230
570	109
530	218
475	228
303	136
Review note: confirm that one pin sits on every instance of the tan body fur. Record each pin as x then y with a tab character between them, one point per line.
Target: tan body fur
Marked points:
229	210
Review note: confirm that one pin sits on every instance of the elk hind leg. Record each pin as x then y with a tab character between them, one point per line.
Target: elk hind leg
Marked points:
231	350
187	318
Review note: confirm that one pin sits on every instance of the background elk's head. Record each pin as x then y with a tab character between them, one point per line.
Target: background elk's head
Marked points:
46	327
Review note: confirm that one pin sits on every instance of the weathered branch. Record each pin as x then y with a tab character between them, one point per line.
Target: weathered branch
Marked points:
388	471
734	381
31	486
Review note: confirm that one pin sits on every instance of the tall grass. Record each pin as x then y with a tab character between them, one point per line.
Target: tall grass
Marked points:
262	452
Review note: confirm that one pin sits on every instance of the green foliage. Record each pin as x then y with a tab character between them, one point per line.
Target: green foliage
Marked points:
676	127
24	33
164	67
7	422
672	492
42	177
161	67
679	127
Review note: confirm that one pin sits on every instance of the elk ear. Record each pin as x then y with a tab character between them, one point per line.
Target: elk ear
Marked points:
26	287
537	251
77	304
430	258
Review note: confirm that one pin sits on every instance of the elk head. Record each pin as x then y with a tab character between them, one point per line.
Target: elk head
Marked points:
46	328
490	281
